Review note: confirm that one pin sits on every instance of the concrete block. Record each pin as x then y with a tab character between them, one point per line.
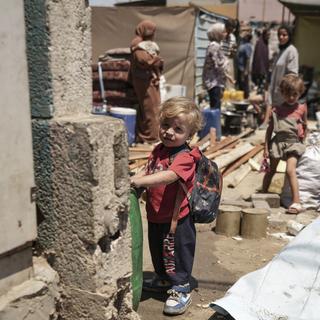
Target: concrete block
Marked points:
82	198
237	203
261	204
272	199
34	299
81	168
59	62
277	222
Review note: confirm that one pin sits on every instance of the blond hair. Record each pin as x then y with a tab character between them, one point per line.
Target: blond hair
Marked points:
291	83
180	105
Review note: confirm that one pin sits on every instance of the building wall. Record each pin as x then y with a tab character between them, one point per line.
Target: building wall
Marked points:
262	10
17	212
81	171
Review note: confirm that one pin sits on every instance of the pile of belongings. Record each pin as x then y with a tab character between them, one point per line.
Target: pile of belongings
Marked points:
111	79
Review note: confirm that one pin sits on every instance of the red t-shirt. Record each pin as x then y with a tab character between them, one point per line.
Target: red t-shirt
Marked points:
296	112
161	199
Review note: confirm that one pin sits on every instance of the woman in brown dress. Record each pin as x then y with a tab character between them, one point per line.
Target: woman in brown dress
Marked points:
146	68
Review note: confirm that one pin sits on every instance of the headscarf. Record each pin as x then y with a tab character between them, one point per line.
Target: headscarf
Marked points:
215	32
145	30
289	31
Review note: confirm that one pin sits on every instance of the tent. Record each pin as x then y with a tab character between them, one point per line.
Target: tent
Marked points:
307	28
181	35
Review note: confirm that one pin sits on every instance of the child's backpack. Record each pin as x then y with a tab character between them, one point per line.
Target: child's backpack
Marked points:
205	197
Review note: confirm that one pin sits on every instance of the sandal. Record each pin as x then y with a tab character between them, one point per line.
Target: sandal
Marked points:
295	208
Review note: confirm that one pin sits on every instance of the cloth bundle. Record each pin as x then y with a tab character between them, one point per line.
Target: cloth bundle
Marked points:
118	90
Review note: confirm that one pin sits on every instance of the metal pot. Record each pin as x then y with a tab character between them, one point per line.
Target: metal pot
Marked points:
241	105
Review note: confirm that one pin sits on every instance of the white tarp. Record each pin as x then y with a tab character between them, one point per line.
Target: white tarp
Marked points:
287	288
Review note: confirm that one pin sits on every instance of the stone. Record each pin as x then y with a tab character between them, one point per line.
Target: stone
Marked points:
273	199
237	203
81	171
34	299
261	204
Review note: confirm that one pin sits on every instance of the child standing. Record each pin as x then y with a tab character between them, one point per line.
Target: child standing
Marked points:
171	230
288	125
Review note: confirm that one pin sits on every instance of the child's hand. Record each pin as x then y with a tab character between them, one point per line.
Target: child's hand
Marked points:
266	153
133	183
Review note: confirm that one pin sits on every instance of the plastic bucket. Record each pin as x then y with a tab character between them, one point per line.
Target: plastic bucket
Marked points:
129	117
212	119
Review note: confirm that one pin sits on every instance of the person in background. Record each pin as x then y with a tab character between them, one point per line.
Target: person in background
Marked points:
260	62
146	68
286	62
229	48
215	69
243	58
171	230
285	135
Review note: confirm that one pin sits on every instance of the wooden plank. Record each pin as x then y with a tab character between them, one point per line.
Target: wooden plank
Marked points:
138	163
213	137
242	160
233	155
202	141
230	139
141	149
138	155
219	145
237	176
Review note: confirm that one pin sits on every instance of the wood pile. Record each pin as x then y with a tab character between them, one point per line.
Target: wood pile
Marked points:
235	157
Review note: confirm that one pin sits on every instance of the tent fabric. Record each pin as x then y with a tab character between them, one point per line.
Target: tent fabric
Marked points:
301	2
286	288
113	27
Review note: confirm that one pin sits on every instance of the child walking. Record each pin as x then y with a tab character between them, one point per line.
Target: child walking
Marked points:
171	230
285	135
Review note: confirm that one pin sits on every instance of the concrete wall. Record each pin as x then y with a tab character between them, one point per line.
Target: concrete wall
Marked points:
82	176
81	173
81	168
59	57
17	212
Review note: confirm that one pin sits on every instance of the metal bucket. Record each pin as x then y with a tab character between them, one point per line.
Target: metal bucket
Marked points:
254	223
228	220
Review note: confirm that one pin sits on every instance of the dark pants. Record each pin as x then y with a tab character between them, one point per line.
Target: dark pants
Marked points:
215	97
260	81
184	249
243	83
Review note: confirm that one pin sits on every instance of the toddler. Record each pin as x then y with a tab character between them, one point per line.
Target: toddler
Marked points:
171	230
285	135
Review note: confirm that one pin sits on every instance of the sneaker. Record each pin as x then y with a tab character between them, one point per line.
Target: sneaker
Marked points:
156	284
178	301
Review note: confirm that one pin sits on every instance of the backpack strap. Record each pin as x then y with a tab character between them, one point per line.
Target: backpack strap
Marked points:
176	210
180	193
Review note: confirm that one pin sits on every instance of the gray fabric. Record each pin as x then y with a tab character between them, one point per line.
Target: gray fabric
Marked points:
286	62
286	142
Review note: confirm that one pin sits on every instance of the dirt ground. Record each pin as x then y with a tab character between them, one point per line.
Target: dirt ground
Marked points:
220	261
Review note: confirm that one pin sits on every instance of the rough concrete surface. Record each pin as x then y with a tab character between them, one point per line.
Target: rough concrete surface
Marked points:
81	169
34	299
59	57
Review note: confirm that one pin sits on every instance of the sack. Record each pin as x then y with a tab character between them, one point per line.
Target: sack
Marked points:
205	197
206	193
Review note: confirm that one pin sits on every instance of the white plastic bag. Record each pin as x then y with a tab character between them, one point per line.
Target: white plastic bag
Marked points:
308	174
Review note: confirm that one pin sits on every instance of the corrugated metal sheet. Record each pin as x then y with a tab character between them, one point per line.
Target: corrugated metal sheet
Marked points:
203	22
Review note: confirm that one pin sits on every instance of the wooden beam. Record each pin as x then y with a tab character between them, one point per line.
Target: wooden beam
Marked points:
242	160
